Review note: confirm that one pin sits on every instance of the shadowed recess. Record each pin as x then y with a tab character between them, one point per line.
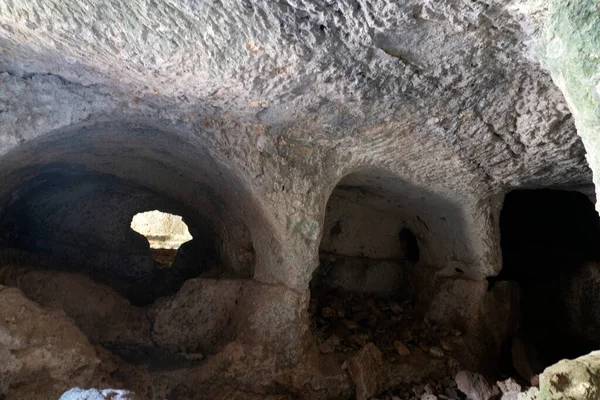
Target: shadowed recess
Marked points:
71	206
551	247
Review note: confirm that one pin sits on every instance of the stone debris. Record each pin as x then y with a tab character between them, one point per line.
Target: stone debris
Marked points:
351	323
366	371
396	329
510	396
576	379
401	348
475	386
509	385
442	389
510	389
328	346
396	308
436	351
531	394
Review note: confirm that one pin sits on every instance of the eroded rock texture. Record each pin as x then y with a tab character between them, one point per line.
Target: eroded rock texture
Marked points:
319	152
43	352
103	315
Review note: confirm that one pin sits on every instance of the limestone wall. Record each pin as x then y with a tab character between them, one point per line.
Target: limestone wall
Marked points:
250	118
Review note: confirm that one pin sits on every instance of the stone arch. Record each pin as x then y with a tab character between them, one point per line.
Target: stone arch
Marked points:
388	279
428	223
383	241
160	167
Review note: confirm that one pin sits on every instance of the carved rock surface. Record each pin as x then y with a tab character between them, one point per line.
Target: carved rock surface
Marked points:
247	116
196	318
103	315
475	386
266	106
366	370
577	379
42	352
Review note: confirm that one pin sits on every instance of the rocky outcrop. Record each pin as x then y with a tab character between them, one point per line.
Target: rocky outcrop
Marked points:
366	369
207	314
103	315
577	379
42	352
475	386
198	318
572	379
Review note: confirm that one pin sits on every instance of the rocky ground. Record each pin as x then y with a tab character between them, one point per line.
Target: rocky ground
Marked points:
345	322
428	390
384	346
465	385
348	324
381	335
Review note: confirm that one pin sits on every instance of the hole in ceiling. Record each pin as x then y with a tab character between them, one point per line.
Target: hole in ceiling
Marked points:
165	233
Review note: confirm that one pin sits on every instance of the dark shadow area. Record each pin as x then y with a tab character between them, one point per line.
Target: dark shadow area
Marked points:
133	166
409	244
74	219
550	246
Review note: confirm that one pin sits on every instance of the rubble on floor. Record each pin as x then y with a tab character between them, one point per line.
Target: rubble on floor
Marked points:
465	385
388	346
383	348
346	322
366	370
442	389
395	335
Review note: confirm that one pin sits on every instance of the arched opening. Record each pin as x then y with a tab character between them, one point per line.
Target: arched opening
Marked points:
165	233
551	247
70	217
383	241
364	248
96	177
66	205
